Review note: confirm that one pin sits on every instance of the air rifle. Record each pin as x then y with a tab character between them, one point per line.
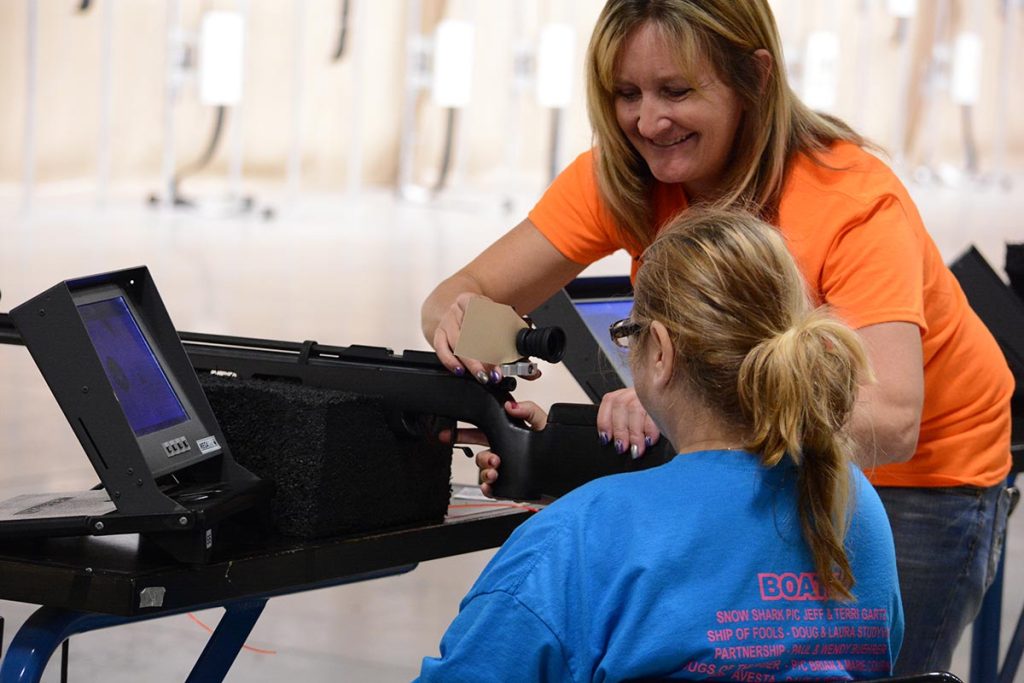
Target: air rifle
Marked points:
414	384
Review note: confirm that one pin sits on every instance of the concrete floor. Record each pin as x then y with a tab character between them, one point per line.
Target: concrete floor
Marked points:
341	270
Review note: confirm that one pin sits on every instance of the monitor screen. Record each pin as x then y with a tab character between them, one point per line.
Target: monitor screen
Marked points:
598	315
140	384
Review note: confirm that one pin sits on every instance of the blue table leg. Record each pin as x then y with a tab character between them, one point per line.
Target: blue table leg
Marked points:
43	632
48	627
227	641
1013	654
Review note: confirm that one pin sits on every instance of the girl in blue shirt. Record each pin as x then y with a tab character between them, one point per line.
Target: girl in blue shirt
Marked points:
759	552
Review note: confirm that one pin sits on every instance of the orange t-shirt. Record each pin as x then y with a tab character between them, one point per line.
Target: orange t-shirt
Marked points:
861	245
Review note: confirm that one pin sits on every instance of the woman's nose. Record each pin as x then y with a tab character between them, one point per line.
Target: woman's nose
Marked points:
651	119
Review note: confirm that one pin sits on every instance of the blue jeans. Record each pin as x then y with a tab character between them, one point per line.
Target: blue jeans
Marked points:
948	543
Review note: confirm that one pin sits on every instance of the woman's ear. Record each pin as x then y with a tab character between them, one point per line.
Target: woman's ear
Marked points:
763	60
662	356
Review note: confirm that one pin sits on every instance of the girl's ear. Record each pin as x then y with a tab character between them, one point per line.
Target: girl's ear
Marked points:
662	355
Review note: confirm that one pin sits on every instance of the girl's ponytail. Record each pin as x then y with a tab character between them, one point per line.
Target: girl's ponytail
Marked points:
797	390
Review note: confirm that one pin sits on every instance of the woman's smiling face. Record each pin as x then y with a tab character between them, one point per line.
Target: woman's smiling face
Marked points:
684	131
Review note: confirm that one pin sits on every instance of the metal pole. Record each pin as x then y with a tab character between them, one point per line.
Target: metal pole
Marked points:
171	76
522	75
103	157
31	87
863	61
237	150
1007	49
938	70
298	87
355	147
414	54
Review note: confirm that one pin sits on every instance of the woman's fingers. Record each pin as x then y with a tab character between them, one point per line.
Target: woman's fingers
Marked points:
446	338
623	422
605	413
468	437
488	462
534	415
651	434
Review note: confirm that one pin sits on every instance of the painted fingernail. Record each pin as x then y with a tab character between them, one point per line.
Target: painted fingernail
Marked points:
481	377
620	448
603	436
459	370
634	451
495	376
513	405
648	441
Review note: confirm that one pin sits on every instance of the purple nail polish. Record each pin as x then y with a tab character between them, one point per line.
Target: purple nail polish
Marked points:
459	370
619	447
603	436
495	376
648	441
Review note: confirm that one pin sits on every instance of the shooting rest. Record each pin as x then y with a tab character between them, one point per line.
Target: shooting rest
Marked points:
107	349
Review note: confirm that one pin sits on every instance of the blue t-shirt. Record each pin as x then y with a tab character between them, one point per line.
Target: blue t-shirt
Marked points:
695	569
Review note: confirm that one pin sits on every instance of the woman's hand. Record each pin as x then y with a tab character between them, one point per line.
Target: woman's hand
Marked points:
488	461
623	421
522	269
446	338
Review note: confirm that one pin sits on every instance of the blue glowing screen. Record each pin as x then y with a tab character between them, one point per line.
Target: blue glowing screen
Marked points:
598	315
139	382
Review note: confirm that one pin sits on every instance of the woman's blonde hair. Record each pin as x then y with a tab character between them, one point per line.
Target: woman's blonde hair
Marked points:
724	34
749	344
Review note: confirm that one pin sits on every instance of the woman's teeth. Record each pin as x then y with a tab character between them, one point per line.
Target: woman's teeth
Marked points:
672	142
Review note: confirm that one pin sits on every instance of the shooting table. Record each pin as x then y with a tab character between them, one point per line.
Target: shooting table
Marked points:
89	583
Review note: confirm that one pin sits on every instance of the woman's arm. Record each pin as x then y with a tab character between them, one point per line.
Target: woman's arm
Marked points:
522	269
886	421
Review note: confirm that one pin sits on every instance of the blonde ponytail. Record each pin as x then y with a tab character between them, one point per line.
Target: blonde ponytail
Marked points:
797	390
750	346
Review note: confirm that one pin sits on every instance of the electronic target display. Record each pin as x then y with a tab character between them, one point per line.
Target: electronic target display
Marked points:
115	364
139	382
598	315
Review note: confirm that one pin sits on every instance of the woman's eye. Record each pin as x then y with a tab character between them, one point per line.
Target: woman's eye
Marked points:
678	93
627	95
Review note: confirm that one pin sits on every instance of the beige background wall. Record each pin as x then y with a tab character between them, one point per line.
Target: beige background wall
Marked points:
69	78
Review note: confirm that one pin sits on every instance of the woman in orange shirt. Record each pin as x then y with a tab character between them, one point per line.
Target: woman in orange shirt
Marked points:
690	106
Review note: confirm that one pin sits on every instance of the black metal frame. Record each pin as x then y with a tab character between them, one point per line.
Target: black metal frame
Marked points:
151	493
1002	311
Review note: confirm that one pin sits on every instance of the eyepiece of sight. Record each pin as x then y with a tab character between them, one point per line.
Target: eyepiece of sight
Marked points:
546	343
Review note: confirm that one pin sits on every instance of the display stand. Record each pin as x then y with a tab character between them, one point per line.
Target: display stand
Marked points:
112	359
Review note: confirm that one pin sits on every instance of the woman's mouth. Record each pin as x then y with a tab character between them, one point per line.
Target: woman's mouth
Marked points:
672	142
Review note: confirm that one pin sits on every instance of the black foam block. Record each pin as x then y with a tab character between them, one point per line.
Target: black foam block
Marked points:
339	463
